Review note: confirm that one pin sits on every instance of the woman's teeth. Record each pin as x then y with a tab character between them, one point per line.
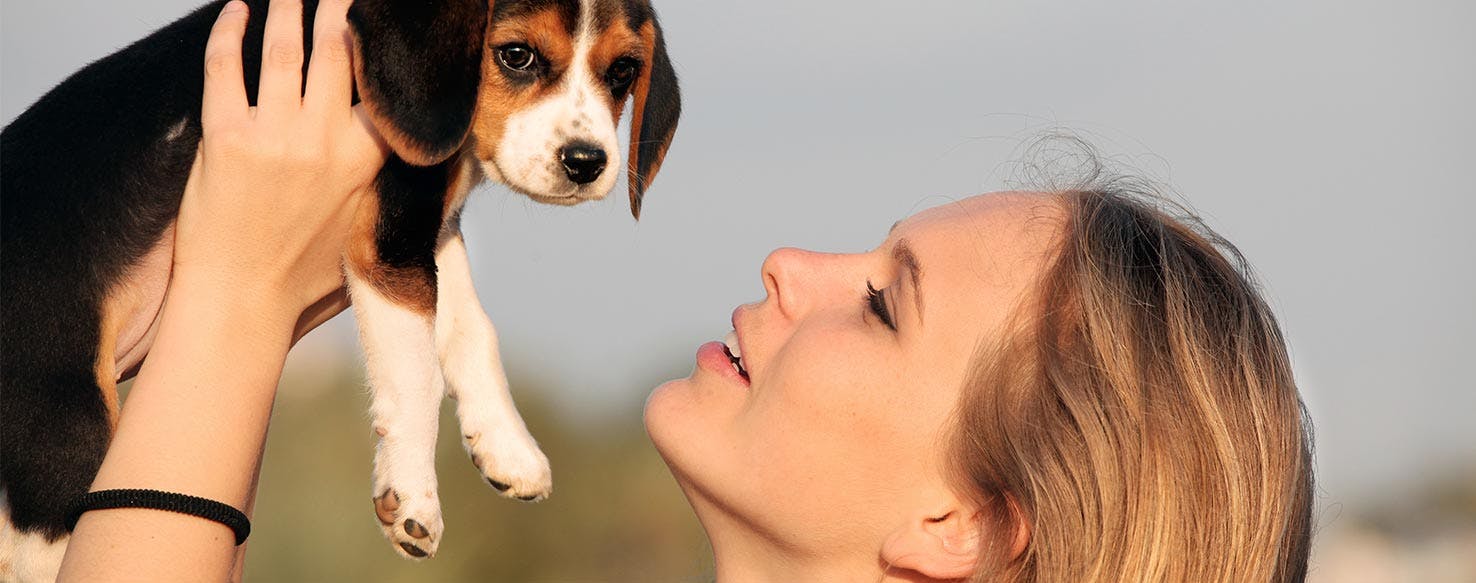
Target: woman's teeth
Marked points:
735	353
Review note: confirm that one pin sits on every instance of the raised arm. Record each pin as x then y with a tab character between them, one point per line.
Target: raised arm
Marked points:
258	247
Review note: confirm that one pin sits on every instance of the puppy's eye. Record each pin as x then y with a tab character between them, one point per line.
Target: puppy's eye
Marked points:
517	56
621	74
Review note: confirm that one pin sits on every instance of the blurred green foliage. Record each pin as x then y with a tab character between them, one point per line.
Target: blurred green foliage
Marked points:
616	514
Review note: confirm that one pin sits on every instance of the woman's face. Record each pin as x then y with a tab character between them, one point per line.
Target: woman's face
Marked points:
837	433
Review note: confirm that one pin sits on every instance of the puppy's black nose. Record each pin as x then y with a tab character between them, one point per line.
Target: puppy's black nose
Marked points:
583	162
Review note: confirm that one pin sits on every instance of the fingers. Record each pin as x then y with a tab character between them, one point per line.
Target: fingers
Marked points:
281	59
225	88
330	74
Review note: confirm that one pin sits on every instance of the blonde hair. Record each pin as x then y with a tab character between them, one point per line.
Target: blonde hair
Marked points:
1140	418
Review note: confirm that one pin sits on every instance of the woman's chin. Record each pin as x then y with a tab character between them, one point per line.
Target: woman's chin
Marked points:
663	411
685	417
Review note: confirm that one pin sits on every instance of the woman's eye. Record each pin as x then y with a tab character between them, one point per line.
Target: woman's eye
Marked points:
621	74
517	56
878	305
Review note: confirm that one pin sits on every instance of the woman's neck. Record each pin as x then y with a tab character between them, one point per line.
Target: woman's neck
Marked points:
744	554
755	561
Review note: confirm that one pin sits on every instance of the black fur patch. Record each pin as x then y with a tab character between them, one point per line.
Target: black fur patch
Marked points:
421	67
411	200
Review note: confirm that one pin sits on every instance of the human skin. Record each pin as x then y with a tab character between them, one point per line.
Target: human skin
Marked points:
828	463
258	244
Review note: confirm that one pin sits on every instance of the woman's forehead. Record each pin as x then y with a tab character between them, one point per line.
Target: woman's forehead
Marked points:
987	248
996	209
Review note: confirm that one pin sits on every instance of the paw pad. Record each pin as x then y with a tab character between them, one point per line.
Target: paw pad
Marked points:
385	506
413	550
415	530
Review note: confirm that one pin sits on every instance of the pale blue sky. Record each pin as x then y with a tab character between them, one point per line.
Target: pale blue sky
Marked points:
1331	140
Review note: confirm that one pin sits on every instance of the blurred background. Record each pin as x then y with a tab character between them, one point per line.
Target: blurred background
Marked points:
1331	140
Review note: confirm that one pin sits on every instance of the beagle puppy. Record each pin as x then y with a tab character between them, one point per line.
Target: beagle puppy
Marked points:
527	93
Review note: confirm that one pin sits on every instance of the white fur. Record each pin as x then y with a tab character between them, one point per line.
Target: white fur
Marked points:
406	389
26	557
493	432
527	157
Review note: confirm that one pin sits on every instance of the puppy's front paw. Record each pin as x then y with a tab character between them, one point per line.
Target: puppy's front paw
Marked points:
511	463
411	523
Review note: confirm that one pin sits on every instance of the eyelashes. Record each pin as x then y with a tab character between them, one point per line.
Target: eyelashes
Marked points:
878	305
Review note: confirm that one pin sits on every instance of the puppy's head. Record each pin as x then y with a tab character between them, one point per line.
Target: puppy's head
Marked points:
533	88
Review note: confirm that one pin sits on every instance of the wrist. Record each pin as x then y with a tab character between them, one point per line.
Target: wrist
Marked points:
255	306
212	313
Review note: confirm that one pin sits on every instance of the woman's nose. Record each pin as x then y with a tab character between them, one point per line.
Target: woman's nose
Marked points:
795	278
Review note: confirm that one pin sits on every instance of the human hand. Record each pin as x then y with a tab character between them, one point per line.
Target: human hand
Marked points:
273	191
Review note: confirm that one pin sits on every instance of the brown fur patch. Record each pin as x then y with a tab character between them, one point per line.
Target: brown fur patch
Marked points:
615	42
406	287
105	368
499	98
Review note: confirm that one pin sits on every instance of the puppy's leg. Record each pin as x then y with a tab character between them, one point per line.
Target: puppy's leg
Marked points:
392	282
492	431
405	387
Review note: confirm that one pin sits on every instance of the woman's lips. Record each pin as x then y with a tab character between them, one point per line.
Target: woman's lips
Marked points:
713	356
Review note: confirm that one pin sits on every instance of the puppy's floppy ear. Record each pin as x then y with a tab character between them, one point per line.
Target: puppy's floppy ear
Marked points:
419	64
658	104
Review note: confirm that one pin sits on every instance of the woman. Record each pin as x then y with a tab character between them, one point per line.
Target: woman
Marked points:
1067	386
1062	386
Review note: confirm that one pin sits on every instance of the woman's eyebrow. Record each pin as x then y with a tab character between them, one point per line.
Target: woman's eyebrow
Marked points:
902	254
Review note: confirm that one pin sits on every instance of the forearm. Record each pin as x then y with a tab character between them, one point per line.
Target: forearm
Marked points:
195	423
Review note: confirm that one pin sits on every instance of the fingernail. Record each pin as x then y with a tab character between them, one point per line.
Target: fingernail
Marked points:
233	7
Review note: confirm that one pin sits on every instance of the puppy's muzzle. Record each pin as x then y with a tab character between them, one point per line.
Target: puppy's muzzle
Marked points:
583	162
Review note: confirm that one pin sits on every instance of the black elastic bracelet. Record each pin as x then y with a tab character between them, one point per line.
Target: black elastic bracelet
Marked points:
156	500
